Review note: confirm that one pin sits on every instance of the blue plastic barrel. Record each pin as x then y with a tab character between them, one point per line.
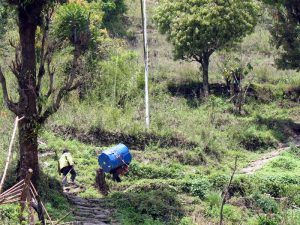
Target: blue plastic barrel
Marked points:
114	157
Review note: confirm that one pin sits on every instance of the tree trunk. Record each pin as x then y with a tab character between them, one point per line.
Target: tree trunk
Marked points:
205	65
28	98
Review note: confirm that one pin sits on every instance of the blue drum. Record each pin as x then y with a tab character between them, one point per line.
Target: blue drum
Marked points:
114	157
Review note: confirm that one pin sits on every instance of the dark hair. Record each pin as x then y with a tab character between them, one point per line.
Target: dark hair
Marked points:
65	150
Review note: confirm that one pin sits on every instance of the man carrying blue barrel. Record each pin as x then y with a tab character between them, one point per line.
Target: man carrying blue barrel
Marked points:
115	161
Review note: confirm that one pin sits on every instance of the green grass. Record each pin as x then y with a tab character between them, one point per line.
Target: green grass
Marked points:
178	185
287	164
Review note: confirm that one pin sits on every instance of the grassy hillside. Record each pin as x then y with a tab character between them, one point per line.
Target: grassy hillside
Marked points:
182	166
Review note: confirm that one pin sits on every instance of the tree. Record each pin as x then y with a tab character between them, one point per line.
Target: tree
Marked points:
38	98
114	20
286	32
197	28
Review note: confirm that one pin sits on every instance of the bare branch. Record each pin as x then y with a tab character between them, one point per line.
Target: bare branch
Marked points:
55	106
75	86
51	73
11	105
68	87
15	66
225	193
44	53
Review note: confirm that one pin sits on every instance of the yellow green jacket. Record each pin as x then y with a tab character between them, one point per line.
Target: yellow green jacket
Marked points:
66	160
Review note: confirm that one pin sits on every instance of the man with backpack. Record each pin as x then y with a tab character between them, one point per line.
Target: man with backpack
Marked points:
66	165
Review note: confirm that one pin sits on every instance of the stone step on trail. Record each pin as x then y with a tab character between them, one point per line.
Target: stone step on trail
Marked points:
90	211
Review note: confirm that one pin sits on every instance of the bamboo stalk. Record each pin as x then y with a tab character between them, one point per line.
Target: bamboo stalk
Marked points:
9	152
11	193
65	216
37	195
18	185
10	202
12	197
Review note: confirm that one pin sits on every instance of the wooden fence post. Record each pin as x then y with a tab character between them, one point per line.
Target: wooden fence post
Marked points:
25	194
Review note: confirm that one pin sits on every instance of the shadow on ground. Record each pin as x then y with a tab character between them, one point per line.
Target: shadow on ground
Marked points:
192	91
282	128
139	141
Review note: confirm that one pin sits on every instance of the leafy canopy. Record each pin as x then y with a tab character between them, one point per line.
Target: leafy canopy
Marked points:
72	20
197	27
286	33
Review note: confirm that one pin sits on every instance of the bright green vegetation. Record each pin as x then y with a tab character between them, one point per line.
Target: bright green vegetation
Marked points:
181	168
199	28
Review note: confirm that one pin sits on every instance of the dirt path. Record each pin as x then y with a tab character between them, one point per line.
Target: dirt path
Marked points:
91	211
258	164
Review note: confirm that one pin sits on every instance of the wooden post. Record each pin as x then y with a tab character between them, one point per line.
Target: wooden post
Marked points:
25	194
101	183
40	207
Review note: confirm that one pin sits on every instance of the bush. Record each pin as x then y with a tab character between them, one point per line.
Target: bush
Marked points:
118	81
187	221
266	203
296	200
219	181
157	205
213	199
71	19
267	220
198	187
9	214
254	139
284	163
143	171
294	150
231	213
113	9
241	186
274	186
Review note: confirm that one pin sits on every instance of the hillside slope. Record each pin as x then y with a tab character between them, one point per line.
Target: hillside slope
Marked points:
183	164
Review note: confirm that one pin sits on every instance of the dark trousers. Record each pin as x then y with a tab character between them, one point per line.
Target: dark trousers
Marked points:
68	169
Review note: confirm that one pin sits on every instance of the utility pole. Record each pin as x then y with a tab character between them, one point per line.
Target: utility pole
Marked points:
146	60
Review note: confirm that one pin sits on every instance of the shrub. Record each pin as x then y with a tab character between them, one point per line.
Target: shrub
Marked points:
193	158
219	181
253	138
241	186
267	220
158	205
294	150
187	221
284	163
152	171
230	213
71	20
233	213
273	186
296	200
118	81
266	203
9	214
213	199
198	187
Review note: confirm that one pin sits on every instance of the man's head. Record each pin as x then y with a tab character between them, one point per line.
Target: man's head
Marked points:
65	150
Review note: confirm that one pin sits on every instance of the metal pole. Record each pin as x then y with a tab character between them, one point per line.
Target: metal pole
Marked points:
146	59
